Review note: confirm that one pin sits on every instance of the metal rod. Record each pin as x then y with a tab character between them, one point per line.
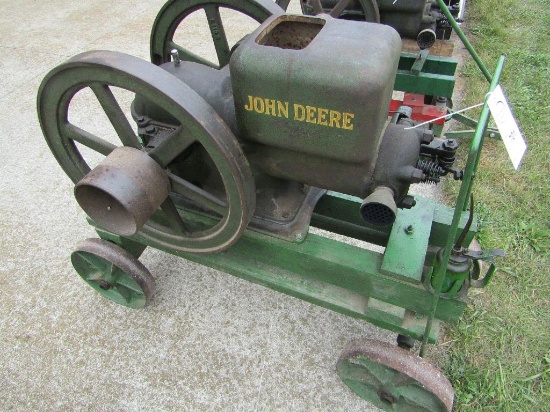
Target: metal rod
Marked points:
484	120
465	41
464	193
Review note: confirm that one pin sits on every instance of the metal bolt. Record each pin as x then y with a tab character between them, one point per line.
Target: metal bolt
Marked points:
418	316
387	398
175	57
103	284
418	176
409	230
427	137
150	129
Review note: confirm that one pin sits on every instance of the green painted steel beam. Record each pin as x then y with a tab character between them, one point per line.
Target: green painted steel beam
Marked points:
318	264
431	64
405	254
334	275
424	83
339	214
425	74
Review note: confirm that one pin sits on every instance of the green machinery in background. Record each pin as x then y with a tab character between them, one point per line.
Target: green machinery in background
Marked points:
228	164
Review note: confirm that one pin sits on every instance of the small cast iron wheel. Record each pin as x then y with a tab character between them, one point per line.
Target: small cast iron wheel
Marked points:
174	12
393	379
114	273
368	12
197	123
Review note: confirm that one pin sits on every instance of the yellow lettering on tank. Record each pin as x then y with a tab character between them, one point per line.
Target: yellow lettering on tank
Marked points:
322	116
259	106
282	109
311	113
346	121
335	119
301	113
270	107
249	107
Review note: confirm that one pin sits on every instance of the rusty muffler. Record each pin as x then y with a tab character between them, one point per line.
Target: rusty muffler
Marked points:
123	191
379	208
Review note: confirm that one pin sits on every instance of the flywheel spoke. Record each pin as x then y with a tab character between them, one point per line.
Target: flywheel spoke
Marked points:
88	139
196	194
218	33
316	6
116	116
339	8
172	146
172	215
188	55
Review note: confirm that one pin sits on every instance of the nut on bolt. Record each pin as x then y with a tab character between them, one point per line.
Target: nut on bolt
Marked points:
418	176
450	144
408	203
427	137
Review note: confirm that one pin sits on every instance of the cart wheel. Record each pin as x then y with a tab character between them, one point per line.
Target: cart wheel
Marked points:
393	379
174	12
114	273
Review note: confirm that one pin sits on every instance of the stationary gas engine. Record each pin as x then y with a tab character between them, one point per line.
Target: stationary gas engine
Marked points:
295	126
306	119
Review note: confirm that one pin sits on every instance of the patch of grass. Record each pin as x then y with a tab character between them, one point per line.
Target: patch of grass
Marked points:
499	358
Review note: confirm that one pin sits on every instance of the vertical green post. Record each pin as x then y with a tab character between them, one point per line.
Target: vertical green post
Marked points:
464	194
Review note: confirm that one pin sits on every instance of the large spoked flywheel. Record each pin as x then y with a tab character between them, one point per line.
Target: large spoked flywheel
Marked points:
175	13
84	111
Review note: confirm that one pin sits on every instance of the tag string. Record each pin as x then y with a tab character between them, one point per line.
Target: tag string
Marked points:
450	115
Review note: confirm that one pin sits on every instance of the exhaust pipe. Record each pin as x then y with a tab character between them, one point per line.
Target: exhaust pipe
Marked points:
379	208
123	191
426	39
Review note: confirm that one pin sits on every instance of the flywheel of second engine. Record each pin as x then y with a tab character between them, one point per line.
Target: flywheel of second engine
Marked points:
169	29
129	183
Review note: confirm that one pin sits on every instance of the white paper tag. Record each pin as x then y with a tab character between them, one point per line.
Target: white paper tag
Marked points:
507	126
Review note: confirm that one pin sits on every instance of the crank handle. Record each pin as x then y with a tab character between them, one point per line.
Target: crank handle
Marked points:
475	281
488	256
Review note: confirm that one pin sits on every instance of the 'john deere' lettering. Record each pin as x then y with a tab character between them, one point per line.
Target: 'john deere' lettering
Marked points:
300	113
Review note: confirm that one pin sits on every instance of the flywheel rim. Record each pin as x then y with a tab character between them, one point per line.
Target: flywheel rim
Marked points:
102	69
175	11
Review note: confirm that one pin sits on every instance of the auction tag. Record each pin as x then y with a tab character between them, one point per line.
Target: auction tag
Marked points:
507	126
